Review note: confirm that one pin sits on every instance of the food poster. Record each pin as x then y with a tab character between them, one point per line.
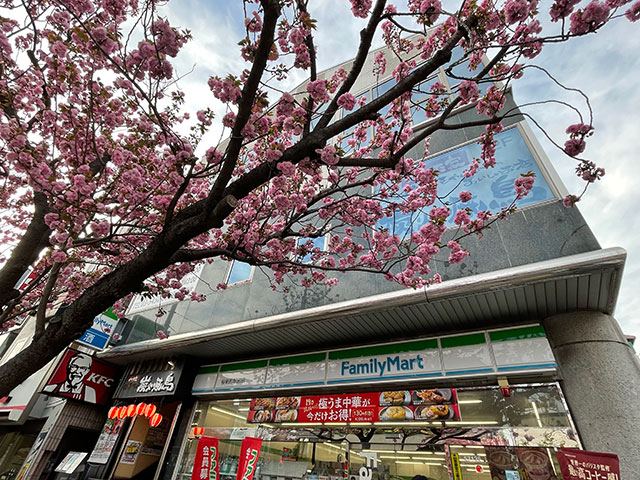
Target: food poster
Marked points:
535	463
391	406
131	452
107	441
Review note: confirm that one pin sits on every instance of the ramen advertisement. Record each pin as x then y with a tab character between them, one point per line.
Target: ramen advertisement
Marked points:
429	405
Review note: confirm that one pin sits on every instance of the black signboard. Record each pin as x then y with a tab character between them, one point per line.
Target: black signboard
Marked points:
152	382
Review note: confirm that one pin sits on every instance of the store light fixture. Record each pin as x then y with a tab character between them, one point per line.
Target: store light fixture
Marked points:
466	402
332	446
227	412
535	410
473	446
421	463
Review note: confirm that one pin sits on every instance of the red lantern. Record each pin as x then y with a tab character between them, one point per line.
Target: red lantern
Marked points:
113	413
155	420
150	410
122	412
140	408
131	410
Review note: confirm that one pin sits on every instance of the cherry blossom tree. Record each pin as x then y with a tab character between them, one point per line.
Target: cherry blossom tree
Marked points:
109	190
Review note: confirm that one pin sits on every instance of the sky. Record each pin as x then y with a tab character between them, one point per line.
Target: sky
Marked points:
605	66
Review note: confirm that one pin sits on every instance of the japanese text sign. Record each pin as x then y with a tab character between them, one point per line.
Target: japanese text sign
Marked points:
249	451
583	465
205	466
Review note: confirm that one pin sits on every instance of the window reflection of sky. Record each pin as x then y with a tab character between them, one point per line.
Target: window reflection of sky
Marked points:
491	188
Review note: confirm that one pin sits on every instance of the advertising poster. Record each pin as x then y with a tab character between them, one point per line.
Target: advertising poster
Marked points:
106	441
501	461
131	452
535	462
82	377
581	464
249	452
430	405
205	466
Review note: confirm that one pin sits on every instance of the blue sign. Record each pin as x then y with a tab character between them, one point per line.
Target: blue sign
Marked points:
99	334
512	475
491	188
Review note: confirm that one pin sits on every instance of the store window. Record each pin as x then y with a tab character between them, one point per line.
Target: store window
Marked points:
490	433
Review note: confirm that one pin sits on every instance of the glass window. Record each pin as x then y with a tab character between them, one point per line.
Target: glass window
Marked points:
239	272
497	433
491	188
309	244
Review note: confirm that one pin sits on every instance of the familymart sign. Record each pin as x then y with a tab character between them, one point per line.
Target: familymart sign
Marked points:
486	352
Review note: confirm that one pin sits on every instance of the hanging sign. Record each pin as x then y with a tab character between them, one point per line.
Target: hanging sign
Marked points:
249	451
455	466
205	466
151	383
580	464
82	377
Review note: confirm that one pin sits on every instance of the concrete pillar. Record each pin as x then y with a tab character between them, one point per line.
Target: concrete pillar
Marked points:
601	381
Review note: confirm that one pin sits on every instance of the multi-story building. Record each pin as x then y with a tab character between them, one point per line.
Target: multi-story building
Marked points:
513	356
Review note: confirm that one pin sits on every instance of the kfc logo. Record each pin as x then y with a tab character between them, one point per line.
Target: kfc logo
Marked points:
82	377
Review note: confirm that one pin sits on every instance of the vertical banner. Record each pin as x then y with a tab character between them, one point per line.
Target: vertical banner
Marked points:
580	464
248	462
205	466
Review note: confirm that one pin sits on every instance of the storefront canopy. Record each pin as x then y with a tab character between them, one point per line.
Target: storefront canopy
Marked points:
526	293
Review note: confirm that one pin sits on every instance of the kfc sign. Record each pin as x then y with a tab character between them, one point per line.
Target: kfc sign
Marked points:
82	377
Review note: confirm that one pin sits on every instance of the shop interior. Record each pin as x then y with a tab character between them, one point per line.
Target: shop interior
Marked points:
337	451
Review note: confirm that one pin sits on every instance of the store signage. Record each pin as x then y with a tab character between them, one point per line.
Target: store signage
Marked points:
205	466
249	452
82	377
100	332
131	452
424	363
106	441
152	383
581	464
393	406
476	353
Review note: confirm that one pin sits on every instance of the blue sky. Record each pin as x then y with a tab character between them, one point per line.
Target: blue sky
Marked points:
605	66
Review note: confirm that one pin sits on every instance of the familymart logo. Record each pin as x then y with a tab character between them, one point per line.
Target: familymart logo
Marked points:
251	464
382	366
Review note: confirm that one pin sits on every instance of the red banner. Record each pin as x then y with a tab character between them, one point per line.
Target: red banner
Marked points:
248	462
205	466
82	377
580	464
392	406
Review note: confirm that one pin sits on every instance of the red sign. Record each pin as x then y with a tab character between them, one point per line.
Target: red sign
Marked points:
393	406
249	451
82	377
580	464
205	466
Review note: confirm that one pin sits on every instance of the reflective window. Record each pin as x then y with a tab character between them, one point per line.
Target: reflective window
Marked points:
239	272
491	188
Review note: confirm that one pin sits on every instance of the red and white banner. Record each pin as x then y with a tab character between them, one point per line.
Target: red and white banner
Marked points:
82	377
580	464
249	451
391	406
205	466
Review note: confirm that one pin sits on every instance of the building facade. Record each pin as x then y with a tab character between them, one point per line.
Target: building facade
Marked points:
515	355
